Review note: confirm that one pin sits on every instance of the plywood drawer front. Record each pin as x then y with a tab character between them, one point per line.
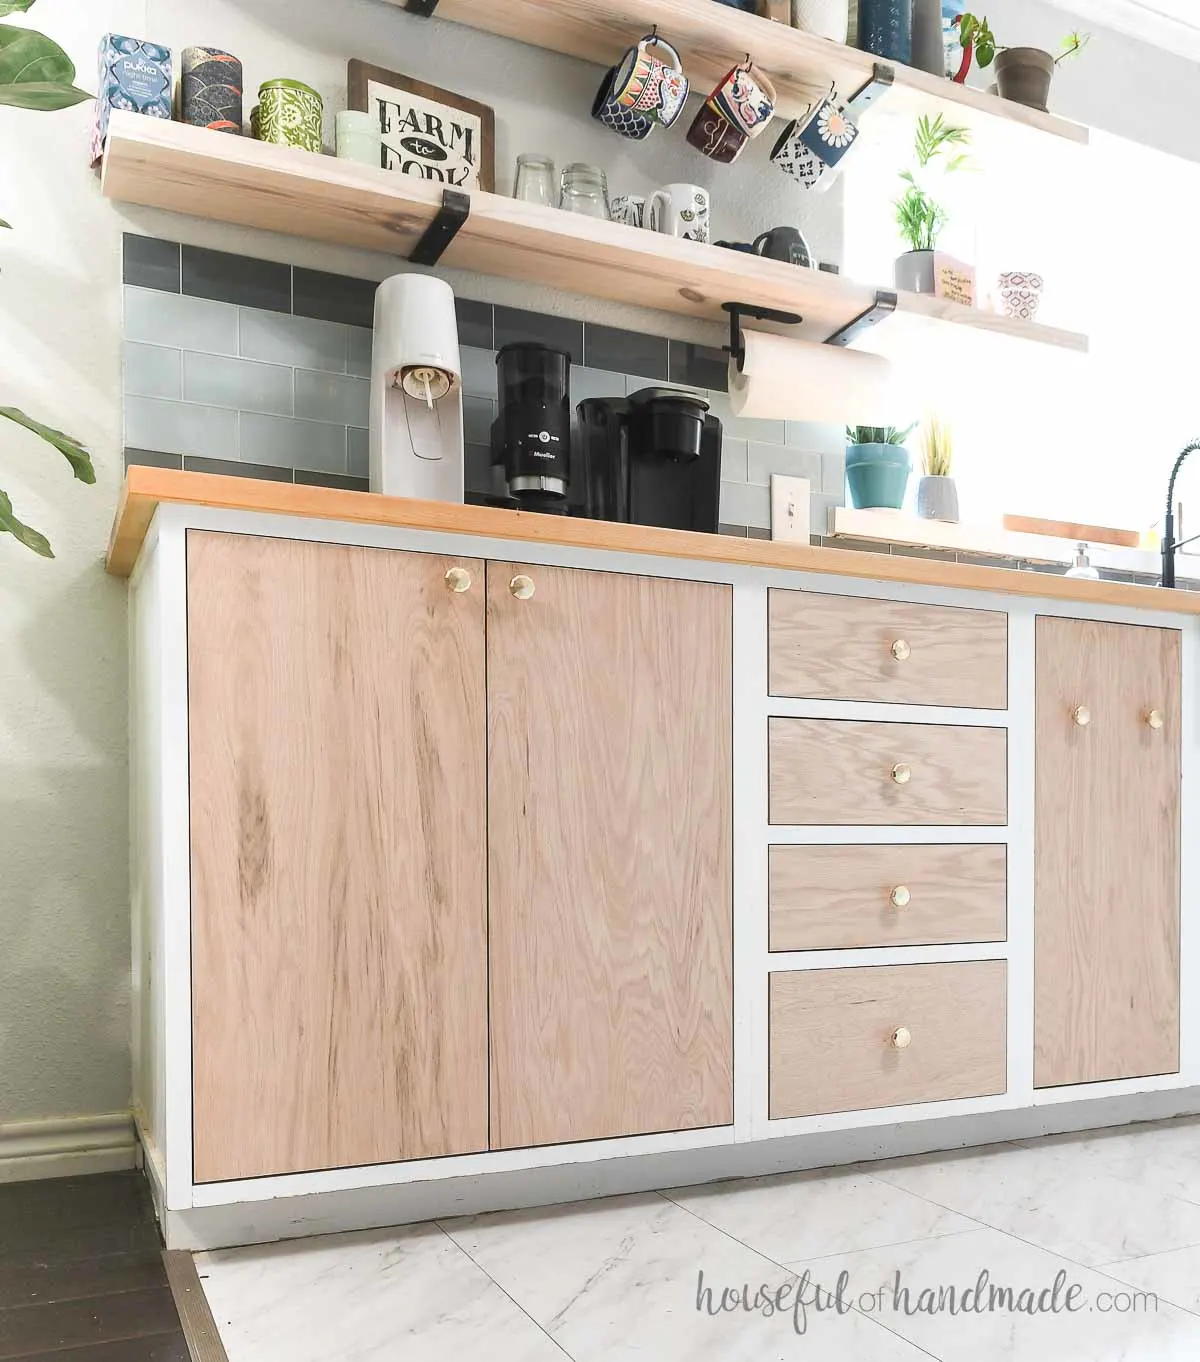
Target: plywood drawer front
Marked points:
837	1036
848	648
843	897
831	771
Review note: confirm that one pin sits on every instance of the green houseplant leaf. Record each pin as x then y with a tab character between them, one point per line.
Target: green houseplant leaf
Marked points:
14	6
31	538
35	73
70	448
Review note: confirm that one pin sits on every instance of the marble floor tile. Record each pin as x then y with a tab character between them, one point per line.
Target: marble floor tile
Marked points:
1163	1157
1097	1329
1049	1201
617	1281
799	1216
375	1297
1173	1277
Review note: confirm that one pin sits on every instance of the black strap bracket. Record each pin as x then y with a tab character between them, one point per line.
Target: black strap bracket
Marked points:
737	344
423	9
455	210
884	305
883	77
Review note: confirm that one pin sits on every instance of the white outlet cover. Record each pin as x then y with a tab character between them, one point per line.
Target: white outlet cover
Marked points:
790	502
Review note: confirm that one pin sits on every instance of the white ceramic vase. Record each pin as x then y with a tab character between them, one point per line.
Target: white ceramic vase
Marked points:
824	18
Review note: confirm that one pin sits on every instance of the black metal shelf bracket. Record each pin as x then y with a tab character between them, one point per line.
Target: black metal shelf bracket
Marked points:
884	305
423	9
883	77
455	210
737	344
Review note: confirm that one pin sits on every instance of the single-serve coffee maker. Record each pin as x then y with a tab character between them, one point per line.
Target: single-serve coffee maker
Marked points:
652	459
531	436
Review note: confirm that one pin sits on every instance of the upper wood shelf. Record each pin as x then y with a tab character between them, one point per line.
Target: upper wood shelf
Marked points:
710	37
280	189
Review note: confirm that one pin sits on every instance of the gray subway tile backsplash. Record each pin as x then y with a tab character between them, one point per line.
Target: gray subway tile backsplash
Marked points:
155	318
236	468
476	326
478	371
284	442
152	371
733	460
333	397
358	462
180	427
339	480
242	384
625	352
358	353
745	504
151	263
478	415
762	461
153	458
297	341
560	333
236	279
698	366
333	297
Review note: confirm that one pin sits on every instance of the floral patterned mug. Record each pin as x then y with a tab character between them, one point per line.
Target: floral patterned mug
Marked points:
813	145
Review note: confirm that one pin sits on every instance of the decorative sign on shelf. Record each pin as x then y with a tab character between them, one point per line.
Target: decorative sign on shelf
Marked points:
426	131
953	280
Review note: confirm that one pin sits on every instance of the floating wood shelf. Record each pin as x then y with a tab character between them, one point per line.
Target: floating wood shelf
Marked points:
710	37
280	189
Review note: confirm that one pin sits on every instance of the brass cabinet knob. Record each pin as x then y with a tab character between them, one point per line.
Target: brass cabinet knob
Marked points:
900	896
458	579
901	1038
522	587
1081	715
901	650
902	773
1155	719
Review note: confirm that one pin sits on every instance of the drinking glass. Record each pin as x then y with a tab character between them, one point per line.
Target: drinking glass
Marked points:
585	190
535	180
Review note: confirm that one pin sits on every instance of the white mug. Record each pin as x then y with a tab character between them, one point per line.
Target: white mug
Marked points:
679	210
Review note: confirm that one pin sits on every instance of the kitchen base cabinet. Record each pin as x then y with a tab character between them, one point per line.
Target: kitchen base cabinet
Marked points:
610	854
1107	900
338	914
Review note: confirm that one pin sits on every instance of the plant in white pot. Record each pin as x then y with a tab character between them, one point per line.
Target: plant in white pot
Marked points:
937	496
36	74
1023	74
918	215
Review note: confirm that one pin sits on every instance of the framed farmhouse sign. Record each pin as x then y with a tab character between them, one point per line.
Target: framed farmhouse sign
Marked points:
427	131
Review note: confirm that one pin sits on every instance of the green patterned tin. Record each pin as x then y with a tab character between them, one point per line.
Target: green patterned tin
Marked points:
289	113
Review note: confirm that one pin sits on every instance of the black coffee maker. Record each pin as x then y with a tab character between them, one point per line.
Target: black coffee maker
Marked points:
531	436
651	459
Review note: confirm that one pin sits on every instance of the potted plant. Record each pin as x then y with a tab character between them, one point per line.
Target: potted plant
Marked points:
35	73
877	466
1023	74
919	217
937	496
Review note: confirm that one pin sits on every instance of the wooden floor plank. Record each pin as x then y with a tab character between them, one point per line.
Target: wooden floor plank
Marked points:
79	1217
160	1348
47	1278
30	1329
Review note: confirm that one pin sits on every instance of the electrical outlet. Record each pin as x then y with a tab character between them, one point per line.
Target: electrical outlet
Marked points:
790	498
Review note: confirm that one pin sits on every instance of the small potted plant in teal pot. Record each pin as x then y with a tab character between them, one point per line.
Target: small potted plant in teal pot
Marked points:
878	466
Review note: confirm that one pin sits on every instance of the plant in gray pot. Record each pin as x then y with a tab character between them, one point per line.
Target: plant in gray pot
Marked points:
919	217
937	496
878	466
1023	74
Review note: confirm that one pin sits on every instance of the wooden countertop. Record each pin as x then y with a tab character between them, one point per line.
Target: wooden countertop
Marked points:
147	488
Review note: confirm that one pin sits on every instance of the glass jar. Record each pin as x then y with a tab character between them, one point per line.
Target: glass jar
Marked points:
585	191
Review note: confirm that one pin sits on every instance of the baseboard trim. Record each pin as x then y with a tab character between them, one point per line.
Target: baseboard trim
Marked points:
67	1148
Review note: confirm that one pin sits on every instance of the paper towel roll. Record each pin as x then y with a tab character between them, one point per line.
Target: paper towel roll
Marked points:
783	379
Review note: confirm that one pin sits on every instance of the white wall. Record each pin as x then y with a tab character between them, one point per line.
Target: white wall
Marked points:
63	877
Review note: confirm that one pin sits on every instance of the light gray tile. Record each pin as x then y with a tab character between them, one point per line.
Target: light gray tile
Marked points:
833	474
587	383
479	372
288	443
359	465
733	460
181	322
339	398
478	415
763	460
742	504
358	355
151	371
818	511
816	436
242	384
180	427
297	341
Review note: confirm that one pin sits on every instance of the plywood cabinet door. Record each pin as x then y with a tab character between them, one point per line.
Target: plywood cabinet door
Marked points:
610	855
337	755
1108	848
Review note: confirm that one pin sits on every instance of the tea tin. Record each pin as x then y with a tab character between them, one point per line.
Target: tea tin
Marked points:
210	90
290	113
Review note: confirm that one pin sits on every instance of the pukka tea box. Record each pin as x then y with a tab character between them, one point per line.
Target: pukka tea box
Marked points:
134	75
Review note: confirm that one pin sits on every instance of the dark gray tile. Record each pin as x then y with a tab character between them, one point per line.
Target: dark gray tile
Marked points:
234	468
152	458
475	323
856	545
151	263
358	463
479	468
625	352
339	480
738	531
934	555
237	279
333	297
987	560
754	532
560	333
699	366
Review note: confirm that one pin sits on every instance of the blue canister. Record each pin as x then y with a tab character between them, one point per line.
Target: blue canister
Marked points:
885	28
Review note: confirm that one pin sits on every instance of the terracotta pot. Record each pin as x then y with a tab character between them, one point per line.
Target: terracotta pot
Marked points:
1024	75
